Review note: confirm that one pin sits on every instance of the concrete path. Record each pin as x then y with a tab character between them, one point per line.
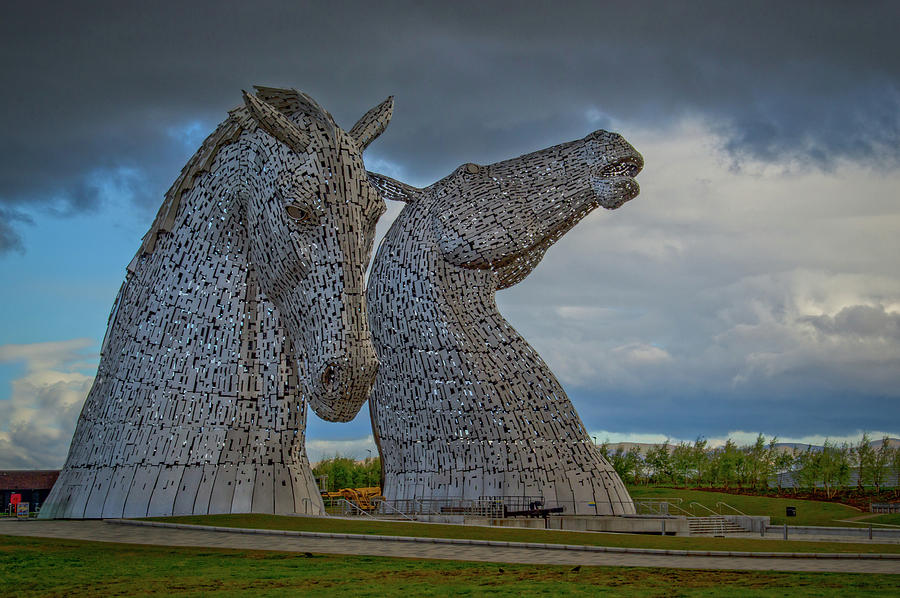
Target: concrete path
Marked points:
131	534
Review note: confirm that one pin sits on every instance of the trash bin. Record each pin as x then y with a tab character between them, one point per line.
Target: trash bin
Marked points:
790	511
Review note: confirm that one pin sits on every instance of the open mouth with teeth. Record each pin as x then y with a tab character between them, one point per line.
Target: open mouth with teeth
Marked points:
614	182
623	167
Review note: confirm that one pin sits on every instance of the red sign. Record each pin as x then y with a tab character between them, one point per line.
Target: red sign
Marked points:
15	499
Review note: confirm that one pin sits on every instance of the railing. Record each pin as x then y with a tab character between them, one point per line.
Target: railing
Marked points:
347	504
651	507
884	507
720	504
343	507
658	507
678	508
384	504
503	506
423	509
696	504
479	507
674	499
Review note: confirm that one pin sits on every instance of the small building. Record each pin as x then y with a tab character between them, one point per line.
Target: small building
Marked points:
33	485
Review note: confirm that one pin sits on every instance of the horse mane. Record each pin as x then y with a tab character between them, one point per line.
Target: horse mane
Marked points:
286	101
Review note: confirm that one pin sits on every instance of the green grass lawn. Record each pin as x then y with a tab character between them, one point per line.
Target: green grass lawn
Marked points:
52	567
809	512
883	518
435	530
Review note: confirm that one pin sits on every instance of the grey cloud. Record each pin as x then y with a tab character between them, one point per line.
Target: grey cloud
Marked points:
43	442
31	446
859	321
40	415
94	88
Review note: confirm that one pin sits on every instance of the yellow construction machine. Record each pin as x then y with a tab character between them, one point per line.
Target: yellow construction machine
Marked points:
361	497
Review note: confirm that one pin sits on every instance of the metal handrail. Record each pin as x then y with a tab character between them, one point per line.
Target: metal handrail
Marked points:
382	503
651	502
677	508
651	505
695	503
361	511
422	508
720	504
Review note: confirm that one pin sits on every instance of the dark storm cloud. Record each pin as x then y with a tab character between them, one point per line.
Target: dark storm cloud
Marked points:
95	89
10	240
684	416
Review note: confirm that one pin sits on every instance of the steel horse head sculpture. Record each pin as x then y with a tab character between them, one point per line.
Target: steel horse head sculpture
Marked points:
463	407
245	301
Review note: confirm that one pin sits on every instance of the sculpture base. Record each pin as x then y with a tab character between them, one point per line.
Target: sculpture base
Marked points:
165	490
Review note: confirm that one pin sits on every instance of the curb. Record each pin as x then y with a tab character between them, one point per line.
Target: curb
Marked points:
527	545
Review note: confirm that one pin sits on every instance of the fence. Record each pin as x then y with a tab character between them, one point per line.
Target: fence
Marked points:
500	506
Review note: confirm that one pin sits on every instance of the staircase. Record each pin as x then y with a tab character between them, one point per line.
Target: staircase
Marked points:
713	526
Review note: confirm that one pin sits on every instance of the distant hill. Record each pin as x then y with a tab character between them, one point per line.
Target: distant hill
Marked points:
786	447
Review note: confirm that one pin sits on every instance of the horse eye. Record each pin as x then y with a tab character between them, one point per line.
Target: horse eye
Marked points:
298	213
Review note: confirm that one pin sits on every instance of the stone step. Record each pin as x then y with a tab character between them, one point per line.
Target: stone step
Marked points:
701	526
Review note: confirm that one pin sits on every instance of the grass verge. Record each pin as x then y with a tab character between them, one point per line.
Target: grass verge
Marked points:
51	567
436	530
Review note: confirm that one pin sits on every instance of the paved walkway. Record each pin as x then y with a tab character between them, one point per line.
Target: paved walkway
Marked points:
132	534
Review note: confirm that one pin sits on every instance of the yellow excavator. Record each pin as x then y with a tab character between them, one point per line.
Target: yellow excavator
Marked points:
361	497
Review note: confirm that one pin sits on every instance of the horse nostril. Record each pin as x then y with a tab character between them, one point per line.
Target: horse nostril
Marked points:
329	375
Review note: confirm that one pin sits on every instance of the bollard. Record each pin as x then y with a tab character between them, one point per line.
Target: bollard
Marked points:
870	532
785	531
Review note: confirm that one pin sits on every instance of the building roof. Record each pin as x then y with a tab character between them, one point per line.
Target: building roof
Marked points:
22	479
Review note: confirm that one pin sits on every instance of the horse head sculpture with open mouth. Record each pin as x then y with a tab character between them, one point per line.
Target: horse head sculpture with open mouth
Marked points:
463	408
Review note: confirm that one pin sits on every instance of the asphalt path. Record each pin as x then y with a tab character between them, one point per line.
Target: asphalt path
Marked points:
131	534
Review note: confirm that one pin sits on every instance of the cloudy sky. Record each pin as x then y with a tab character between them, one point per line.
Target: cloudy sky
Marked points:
753	286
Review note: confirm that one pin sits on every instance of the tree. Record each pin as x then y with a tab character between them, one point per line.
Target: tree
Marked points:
682	461
895	465
731	464
783	462
659	461
627	464
343	472
603	449
757	463
864	457
808	465
881	463
701	456
772	454
834	469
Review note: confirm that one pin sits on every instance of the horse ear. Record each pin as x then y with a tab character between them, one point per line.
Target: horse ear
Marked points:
373	123
393	189
276	124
